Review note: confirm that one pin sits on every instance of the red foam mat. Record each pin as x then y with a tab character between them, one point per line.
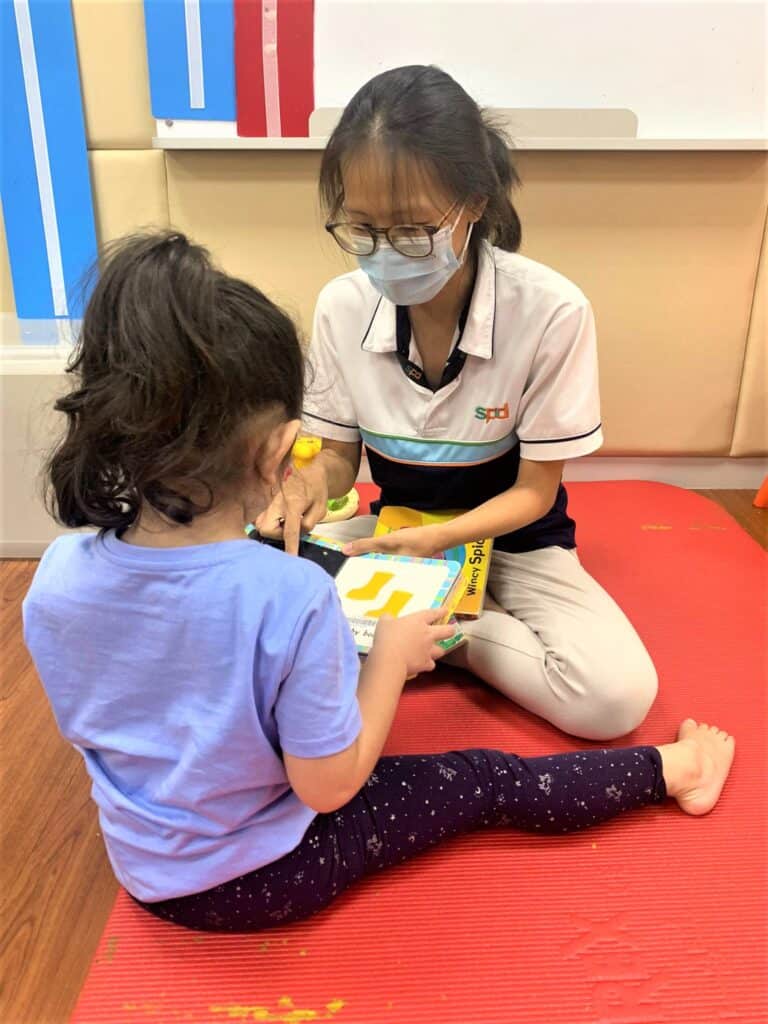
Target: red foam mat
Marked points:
655	918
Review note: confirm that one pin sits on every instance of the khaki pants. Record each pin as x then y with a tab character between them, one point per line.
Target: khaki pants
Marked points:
552	640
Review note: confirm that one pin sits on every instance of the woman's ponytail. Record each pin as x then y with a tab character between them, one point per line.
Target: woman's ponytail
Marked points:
500	223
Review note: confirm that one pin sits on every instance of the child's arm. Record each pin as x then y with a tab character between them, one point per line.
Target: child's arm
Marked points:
402	648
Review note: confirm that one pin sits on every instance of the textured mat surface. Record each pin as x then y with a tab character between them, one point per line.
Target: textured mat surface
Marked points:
656	918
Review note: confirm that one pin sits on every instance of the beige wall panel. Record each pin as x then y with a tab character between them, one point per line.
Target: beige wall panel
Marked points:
28	430
7	303
128	191
112	53
750	435
258	213
665	245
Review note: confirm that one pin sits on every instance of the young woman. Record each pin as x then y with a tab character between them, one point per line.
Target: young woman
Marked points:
470	374
211	683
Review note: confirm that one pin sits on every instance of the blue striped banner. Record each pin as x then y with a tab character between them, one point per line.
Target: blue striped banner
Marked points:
44	178
436	452
191	51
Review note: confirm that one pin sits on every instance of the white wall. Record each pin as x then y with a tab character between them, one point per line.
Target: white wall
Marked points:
687	68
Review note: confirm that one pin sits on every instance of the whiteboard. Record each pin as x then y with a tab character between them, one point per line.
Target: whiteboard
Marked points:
687	70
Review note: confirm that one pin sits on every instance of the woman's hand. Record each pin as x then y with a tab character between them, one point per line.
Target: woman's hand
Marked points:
297	508
418	542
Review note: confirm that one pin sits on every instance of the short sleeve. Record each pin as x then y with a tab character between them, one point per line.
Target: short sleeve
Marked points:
559	412
316	711
328	407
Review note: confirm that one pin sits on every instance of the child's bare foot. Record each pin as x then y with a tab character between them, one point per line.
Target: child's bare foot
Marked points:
696	767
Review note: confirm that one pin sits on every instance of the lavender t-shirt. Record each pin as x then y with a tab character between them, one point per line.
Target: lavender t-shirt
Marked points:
180	675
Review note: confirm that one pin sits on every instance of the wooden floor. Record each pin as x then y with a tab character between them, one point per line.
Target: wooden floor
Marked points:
56	882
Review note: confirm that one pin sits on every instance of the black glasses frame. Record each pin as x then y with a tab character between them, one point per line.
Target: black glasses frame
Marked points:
375	233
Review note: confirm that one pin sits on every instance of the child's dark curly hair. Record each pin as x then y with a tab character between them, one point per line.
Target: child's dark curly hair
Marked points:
174	360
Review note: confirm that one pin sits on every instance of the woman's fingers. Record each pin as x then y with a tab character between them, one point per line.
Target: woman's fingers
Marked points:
365	546
291	531
270	522
290	511
313	515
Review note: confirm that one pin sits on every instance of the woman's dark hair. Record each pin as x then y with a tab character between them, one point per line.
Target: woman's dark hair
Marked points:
174	359
421	112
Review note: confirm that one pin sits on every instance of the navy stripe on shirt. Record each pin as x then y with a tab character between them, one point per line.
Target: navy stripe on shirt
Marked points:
562	440
324	419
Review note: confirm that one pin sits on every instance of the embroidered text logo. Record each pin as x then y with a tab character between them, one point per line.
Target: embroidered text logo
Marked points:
499	413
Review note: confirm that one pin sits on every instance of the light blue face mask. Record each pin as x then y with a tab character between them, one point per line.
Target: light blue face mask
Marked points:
407	281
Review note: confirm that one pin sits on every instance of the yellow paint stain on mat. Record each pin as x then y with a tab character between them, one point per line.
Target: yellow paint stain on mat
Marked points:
158	1010
112	943
655	526
285	1013
708	526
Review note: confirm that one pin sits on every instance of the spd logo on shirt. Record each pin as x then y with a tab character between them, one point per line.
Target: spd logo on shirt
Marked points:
499	413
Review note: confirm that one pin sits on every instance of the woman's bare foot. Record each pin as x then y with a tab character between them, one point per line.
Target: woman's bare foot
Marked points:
696	767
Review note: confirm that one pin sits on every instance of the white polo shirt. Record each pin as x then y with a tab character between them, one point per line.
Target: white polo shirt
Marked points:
528	387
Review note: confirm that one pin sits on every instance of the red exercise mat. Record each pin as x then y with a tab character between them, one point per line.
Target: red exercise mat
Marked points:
655	918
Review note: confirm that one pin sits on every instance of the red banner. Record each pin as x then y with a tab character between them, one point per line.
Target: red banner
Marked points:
274	67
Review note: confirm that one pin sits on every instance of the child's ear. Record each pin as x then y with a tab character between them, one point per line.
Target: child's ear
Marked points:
275	452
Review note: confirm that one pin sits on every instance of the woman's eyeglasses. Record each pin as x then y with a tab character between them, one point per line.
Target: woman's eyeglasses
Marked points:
413	240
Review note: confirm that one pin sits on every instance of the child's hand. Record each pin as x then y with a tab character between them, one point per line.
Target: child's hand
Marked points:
411	641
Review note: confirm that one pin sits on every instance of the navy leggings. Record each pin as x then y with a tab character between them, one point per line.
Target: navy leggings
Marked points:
412	803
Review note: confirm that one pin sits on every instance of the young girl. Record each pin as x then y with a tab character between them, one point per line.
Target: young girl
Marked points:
210	682
470	374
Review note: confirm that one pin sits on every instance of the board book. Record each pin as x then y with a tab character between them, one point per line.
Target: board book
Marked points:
474	558
373	585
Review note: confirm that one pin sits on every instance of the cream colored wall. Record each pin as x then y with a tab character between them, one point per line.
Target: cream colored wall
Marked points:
666	245
6	286
750	432
112	52
28	427
258	213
